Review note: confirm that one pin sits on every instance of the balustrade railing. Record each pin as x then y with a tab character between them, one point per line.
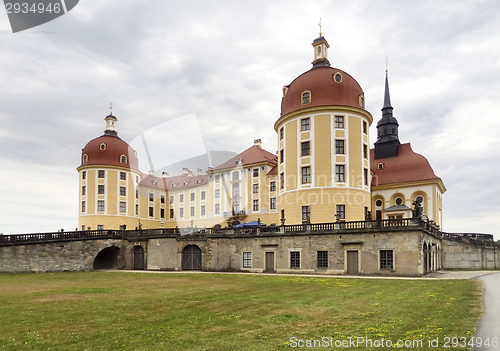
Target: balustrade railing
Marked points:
305	227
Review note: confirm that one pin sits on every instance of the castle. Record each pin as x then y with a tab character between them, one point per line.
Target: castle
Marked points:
324	169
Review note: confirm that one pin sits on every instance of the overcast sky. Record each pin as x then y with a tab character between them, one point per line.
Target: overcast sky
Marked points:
226	62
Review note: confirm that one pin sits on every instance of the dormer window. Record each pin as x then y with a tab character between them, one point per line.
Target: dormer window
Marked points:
306	97
361	101
337	77
380	165
102	146
85	158
285	90
123	159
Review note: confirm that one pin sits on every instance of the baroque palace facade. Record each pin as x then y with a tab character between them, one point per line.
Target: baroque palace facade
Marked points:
324	169
324	203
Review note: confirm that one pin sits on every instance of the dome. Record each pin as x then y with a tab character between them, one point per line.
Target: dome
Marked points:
109	150
327	86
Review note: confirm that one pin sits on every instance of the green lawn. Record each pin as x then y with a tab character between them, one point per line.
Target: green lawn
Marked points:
141	311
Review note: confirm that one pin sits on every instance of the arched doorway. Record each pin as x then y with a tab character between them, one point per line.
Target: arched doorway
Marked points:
191	258
139	257
107	258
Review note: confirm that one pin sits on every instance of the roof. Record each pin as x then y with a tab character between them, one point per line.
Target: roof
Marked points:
407	166
174	183
324	90
110	153
250	156
273	170
397	208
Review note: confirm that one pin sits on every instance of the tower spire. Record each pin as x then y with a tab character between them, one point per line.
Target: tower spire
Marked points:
111	123
387	144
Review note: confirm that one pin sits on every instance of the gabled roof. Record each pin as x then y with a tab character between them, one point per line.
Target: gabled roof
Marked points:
407	166
273	170
174	183
397	208
250	156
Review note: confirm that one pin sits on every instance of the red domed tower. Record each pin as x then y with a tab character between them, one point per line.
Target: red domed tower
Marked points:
109	176
323	145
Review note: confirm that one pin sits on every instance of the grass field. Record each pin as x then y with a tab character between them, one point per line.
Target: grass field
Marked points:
144	311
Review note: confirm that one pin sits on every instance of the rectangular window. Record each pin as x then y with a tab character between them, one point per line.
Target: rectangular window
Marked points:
136	209
192	211
294	259
340	173
203	210
83	206
306	146
256	188
217	178
162	212
217	193
255	205
192	196
282	214
151	197
305	124
123	175
123	191
339	146
365	176
365	151
282	181
123	206
306	213
151	211
171	199
83	226
386	259
273	203
100	227
181	212
236	189
273	186
181	198
339	121
84	175
322	259
137	179
84	190
282	133
255	172
100	205
306	175
341	211
217	208
365	128
162	199
247	260
100	174
100	189
306	98
282	155
171	213
203	195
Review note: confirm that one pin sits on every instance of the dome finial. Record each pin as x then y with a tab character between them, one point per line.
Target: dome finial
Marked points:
111	108
319	24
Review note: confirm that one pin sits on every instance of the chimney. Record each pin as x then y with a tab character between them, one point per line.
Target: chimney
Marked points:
190	174
258	143
185	171
199	172
164	174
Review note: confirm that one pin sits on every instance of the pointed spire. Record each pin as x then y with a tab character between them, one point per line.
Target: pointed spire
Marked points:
387	97
387	143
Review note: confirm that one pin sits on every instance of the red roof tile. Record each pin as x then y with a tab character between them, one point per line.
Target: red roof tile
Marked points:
250	156
174	183
407	166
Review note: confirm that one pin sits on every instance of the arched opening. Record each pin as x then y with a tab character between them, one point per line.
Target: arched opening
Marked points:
139	257
424	249
191	258
107	258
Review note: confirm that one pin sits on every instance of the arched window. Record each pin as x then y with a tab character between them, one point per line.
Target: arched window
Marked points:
393	130
319	50
385	131
85	158
236	175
